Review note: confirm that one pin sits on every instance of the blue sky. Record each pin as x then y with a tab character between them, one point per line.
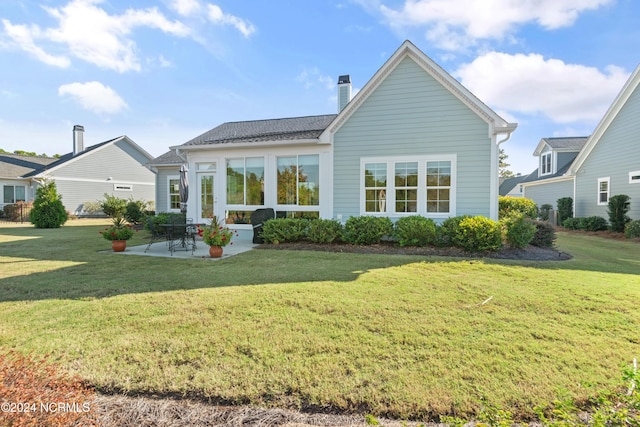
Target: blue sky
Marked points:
164	71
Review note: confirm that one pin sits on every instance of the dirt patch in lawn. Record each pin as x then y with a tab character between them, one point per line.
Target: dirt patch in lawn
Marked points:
529	253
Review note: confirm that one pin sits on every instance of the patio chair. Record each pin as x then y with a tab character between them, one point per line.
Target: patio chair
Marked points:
258	217
156	234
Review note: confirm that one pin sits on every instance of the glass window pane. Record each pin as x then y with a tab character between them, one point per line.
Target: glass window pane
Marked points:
174	194
235	181
255	180
20	193
287	180
309	180
8	194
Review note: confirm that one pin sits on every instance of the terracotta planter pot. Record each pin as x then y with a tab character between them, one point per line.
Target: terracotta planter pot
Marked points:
215	251
118	245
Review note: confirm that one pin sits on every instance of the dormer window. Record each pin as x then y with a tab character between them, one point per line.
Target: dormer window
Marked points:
545	164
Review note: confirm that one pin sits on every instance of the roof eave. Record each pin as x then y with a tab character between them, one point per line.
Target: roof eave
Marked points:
261	144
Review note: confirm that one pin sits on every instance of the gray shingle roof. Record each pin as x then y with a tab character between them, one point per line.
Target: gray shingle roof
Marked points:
509	183
567	143
170	158
65	158
13	165
309	127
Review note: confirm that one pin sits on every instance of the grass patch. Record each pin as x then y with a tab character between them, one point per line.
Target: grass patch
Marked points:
398	336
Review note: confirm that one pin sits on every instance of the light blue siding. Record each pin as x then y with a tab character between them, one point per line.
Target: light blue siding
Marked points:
162	187
615	155
549	193
565	158
411	114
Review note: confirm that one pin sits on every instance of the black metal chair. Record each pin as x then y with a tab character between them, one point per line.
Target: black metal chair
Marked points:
258	217
156	234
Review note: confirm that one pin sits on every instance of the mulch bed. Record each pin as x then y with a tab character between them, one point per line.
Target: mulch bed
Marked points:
530	253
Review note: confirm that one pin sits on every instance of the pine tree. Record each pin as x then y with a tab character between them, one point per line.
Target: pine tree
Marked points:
48	210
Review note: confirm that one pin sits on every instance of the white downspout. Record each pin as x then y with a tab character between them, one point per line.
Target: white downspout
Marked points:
495	182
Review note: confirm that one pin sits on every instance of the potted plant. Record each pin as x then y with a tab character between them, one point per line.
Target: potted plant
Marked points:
118	233
216	235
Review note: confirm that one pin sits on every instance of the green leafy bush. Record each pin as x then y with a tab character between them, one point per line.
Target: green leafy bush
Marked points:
572	223
367	230
618	207
166	218
48	210
92	208
545	211
477	234
508	205
593	223
632	230
135	211
283	230
415	231
446	232
565	209
545	234
113	206
518	230
324	231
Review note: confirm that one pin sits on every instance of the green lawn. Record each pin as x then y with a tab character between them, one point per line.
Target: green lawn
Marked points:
401	336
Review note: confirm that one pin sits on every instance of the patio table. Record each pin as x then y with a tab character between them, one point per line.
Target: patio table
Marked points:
181	235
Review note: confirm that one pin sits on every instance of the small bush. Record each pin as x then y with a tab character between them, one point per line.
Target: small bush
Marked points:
283	230
545	211
632	230
324	231
572	223
565	209
593	223
92	208
48	210
367	230
617	209
508	205
415	231
545	235
18	212
30	382
113	206
518	230
477	234
446	232
135	211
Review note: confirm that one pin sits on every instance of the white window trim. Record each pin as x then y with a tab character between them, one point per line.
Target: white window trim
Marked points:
551	165
169	178
634	177
422	186
608	181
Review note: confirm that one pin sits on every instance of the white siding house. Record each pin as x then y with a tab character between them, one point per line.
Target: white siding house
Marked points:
412	141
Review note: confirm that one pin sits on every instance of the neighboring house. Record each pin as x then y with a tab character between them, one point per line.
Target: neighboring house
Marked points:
412	141
550	181
607	163
114	167
512	186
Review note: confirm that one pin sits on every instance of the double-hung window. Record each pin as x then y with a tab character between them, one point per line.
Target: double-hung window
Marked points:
14	193
423	185
174	193
603	190
545	163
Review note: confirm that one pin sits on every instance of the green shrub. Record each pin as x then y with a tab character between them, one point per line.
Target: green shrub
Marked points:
565	209
415	231
446	232
618	207
518	230
593	223
477	234
545	211
166	218
572	223
324	231
92	208
545	234
48	210
113	206
283	230
367	230
508	205
632	229
135	211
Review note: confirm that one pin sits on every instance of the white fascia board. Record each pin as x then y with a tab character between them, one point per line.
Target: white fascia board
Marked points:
564	177
234	145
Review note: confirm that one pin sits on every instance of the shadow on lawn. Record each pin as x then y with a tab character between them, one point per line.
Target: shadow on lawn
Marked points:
66	263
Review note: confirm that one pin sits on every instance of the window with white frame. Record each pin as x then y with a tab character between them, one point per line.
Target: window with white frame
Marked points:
174	193
423	185
604	189
14	193
634	177
545	163
298	180
245	181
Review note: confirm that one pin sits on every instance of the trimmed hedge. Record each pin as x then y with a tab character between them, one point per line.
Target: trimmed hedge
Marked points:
565	209
518	230
478	234
632	230
508	205
367	230
591	223
284	230
617	209
324	231
545	235
415	231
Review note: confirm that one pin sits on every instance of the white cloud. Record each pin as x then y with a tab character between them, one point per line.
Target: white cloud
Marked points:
185	7
310	77
217	16
91	34
455	24
530	84
94	96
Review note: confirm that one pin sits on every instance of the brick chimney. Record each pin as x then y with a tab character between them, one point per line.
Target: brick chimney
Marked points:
78	139
344	91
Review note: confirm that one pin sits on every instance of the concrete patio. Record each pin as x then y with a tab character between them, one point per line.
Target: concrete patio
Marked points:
161	248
